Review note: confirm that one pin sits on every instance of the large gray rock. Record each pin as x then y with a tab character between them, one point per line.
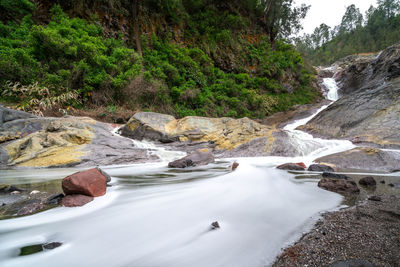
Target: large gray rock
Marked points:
369	108
364	158
7	115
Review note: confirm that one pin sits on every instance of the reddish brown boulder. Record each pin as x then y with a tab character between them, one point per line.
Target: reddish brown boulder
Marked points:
75	200
234	166
301	164
339	185
90	183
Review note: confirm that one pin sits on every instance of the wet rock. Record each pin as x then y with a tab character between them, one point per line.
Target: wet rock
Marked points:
34	192
368	108
351	263
292	167
334	175
10	189
76	200
320	168
195	159
382	182
234	166
215	225
90	183
15	192
364	158
31	207
55	199
367	181
394	185
108	177
52	245
339	185
375	198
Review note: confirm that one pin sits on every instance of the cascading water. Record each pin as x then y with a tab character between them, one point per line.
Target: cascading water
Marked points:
155	216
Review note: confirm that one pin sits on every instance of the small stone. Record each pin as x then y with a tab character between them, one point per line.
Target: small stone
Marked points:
320	168
367	181
375	198
54	199
15	192
339	185
234	166
34	192
382	182
52	245
215	225
90	183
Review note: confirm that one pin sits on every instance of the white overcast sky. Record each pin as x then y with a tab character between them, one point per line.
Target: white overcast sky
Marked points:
329	12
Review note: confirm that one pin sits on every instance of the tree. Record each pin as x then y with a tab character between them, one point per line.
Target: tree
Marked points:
351	20
279	17
390	7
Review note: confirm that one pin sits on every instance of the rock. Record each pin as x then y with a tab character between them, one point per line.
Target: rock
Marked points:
292	167
368	109
320	168
15	192
30	208
375	198
34	192
90	183
195	159
225	133
52	245
7	114
234	166
301	164
10	189
339	185
76	200
351	263
108	177
67	141
364	158
334	175
394	185
215	225
367	181
55	199
382	182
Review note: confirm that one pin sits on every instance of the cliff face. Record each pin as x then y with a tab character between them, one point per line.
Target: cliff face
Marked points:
369	109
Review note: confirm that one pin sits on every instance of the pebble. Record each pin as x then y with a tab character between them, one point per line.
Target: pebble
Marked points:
34	192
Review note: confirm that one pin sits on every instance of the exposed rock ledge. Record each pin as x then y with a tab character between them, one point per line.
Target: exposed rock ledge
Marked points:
29	141
225	137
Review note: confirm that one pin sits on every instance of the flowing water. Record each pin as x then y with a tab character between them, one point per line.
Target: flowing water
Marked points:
155	216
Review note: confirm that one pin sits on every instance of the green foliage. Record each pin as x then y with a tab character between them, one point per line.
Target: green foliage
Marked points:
67	53
223	66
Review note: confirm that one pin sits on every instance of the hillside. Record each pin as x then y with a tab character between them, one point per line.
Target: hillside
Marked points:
180	57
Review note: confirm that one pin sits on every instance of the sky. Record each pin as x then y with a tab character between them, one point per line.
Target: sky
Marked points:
329	12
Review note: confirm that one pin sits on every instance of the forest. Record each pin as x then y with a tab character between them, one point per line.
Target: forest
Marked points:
372	32
180	57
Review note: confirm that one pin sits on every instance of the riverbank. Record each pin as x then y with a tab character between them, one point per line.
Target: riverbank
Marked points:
368	232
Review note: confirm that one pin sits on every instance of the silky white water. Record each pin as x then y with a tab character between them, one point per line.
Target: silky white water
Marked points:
155	216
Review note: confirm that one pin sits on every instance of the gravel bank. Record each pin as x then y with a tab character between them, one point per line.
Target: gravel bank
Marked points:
369	231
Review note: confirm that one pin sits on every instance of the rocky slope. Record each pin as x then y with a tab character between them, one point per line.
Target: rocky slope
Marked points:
369	108
29	141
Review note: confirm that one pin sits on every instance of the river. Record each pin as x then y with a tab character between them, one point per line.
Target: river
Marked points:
155	216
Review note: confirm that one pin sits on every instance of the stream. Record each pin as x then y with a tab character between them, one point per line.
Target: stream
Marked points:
155	216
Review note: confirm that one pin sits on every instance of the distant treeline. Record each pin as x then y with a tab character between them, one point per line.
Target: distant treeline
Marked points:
376	30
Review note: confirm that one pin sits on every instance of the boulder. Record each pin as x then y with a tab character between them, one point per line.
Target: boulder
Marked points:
55	199
292	166
195	159
338	185
364	158
90	183
7	114
320	168
220	133
334	175
367	181
76	200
